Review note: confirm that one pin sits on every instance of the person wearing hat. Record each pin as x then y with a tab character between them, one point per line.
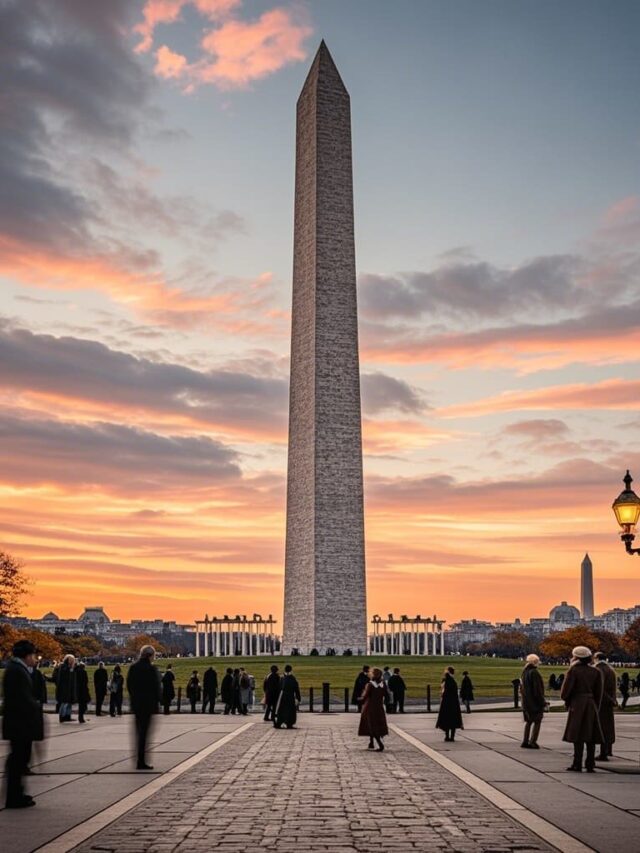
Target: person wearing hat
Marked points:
609	702
582	694
20	721
533	702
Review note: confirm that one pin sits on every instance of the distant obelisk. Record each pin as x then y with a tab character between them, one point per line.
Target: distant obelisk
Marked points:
586	588
325	595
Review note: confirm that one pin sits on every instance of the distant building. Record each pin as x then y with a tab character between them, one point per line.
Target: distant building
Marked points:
586	588
619	619
563	616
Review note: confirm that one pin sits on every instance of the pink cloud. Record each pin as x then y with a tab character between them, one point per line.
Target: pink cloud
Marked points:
169	64
157	12
621	210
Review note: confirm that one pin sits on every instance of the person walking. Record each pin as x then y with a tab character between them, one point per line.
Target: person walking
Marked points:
66	688
362	679
116	692
193	690
82	688
271	687
288	700
245	691
100	681
236	706
582	695
209	690
398	689
608	703
168	688
373	720
466	691
21	721
143	684
533	702
625	689
449	714
226	690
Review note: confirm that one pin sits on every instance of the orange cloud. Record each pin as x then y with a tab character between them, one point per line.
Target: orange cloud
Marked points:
157	12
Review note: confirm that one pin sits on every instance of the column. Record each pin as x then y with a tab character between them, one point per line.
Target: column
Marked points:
197	640
206	639
442	638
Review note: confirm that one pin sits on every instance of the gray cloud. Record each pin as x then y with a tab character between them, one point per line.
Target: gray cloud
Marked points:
538	429
381	392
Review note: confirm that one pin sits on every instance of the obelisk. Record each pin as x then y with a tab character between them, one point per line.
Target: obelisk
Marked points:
586	588
325	595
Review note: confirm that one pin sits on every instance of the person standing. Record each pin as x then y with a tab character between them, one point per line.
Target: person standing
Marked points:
168	688
66	688
373	720
193	690
271	692
143	684
100	679
288	700
362	679
625	689
226	690
466	691
582	695
449	714
245	691
21	721
609	702
237	705
386	675
209	690
53	678
116	691
533	701
398	689
82	688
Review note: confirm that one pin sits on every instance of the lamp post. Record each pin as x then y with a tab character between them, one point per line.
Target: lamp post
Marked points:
627	511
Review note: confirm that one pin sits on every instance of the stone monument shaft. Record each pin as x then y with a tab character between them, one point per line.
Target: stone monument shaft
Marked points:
325	597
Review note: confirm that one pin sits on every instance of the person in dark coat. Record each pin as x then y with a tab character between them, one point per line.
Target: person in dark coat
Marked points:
143	684
533	702
168	688
361	682
20	721
553	684
53	678
100	680
236	704
449	714
193	690
466	691
609	702
226	690
66	688
271	687
40	692
82	688
116	691
398	689
625	689
288	700
209	690
582	694
373	719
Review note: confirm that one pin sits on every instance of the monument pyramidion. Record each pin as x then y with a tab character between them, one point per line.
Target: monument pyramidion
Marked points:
325	585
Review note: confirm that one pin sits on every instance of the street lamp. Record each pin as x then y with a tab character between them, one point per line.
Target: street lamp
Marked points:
627	511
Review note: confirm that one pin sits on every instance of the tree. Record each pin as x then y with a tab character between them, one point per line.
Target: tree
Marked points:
14	584
560	644
80	647
508	644
8	637
609	644
631	640
46	645
134	644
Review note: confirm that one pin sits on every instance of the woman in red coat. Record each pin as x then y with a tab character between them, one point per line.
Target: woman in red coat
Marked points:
373	719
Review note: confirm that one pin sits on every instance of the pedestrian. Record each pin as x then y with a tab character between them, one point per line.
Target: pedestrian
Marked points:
582	694
116	691
449	714
66	688
143	684
625	689
236	707
553	684
53	678
373	720
271	687
82	688
386	675
608	703
362	679
288	700
533	702
21	721
193	690
245	691
398	689
209	690
226	690
100	680
560	681
168	688
466	691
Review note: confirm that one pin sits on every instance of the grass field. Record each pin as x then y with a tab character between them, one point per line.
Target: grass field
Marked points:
491	676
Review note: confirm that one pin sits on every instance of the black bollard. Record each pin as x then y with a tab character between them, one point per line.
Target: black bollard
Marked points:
516	692
346	700
325	697
428	698
179	700
311	699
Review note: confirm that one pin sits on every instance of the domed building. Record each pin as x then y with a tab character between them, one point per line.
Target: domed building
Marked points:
563	616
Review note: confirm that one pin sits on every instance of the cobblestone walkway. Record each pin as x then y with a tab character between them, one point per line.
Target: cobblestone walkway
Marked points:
316	788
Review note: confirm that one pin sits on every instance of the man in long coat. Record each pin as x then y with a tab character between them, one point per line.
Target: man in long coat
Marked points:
287	705
582	694
398	689
271	692
100	679
168	689
361	682
20	721
82	689
609	702
209	690
66	693
226	691
143	684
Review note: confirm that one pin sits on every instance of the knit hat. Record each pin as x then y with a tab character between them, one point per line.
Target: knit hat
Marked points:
581	652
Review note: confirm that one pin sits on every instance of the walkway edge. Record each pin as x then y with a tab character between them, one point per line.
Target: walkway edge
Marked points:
550	833
72	837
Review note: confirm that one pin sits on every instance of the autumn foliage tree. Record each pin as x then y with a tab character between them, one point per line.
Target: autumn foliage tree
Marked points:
81	647
631	640
46	645
13	584
134	644
560	644
508	644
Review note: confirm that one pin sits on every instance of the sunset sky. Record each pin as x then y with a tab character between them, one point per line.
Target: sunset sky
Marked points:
146	225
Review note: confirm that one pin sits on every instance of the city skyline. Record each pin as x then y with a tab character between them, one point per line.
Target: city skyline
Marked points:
145	244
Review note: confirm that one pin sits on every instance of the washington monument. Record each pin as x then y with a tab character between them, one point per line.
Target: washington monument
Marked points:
586	588
325	596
